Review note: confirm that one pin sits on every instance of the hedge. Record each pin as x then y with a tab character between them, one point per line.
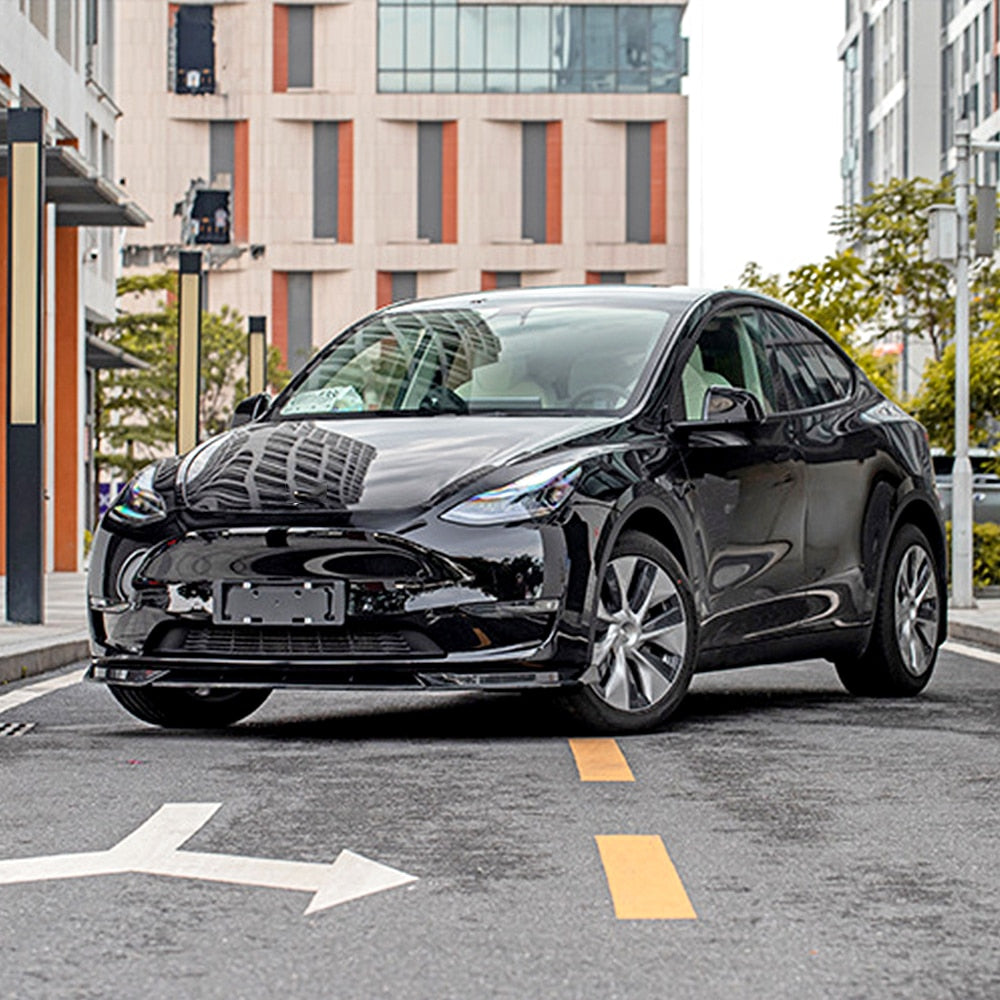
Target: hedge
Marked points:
985	554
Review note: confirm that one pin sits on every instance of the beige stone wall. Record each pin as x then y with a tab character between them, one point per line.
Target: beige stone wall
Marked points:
163	144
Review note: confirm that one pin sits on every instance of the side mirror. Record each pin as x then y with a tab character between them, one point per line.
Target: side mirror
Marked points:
251	408
728	405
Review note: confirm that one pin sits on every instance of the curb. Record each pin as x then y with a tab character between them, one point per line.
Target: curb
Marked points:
978	634
15	666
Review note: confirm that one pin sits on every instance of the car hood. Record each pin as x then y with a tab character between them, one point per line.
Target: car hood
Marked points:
375	463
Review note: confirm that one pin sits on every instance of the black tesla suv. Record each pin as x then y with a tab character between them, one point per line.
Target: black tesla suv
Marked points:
595	490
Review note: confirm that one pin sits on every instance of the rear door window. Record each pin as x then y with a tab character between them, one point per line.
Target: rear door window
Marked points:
812	372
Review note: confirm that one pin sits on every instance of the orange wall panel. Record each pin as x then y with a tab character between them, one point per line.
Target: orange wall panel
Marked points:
383	289
280	47
593	278
241	181
553	182
345	182
279	312
658	182
488	281
449	182
68	461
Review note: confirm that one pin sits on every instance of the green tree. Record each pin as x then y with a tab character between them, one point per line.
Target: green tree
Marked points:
934	405
135	410
889	231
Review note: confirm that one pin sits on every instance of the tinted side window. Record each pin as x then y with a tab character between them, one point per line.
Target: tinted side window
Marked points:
811	372
838	368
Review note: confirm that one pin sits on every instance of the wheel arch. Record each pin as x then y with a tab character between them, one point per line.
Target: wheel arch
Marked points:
652	521
647	516
920	512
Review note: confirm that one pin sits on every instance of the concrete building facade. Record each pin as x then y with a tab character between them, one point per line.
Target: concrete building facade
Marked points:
381	149
59	56
912	69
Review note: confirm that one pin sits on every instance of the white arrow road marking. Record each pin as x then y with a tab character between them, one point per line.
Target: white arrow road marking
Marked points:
22	695
153	849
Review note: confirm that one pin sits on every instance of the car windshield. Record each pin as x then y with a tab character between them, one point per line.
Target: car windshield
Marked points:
536	358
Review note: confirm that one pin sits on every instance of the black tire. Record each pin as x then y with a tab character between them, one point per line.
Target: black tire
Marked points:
906	634
181	708
634	683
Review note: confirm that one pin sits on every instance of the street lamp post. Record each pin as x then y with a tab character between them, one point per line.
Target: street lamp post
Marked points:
961	473
961	476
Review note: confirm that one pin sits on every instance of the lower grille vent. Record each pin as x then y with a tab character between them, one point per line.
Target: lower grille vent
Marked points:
300	642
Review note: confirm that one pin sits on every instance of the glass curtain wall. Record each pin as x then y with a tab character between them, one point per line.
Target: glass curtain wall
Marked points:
445	47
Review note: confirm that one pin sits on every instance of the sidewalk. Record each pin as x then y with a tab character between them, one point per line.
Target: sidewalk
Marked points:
980	625
26	650
32	649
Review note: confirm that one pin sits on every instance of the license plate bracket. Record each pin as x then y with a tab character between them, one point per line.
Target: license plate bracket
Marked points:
245	602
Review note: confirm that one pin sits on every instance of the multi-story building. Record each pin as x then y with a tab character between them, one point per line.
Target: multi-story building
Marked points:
381	149
912	69
58	55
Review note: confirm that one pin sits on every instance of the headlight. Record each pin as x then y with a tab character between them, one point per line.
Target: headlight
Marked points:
139	503
535	495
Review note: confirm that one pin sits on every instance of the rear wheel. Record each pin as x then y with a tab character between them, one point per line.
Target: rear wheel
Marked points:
903	647
643	653
183	708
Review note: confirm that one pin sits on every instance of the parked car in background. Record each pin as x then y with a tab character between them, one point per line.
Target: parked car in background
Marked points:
594	490
985	485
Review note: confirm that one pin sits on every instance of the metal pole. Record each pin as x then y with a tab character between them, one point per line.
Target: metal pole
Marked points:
961	476
25	432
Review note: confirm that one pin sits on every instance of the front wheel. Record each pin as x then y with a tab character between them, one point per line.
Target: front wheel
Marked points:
903	647
643	653
183	708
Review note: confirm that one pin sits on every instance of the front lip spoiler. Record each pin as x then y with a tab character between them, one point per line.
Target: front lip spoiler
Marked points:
146	671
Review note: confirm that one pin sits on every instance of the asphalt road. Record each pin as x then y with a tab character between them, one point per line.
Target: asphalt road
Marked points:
829	847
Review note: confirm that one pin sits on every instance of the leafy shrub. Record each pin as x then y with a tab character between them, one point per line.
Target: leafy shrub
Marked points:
985	554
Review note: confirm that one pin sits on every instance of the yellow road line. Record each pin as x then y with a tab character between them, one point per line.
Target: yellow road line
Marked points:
600	760
643	881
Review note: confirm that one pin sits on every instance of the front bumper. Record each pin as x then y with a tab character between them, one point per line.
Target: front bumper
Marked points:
443	607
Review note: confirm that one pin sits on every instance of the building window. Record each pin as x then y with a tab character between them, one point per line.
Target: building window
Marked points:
605	277
394	286
333	172
645	182
437	181
292	313
490	280
293	46
947	99
193	49
66	31
228	169
478	48
211	216
38	11
541	182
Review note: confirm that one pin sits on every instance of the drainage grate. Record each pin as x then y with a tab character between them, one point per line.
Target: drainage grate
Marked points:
16	728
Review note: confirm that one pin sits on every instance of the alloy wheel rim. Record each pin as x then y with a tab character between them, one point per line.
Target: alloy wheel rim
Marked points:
917	612
640	649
